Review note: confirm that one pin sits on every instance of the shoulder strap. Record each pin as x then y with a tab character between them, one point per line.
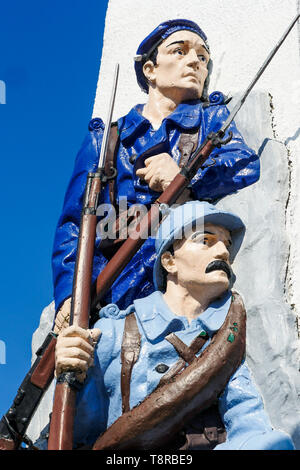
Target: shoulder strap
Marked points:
187	144
130	351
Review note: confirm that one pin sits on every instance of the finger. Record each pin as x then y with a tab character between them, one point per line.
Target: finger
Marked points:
95	334
149	160
80	343
73	353
155	184
150	173
141	172
75	330
156	158
71	364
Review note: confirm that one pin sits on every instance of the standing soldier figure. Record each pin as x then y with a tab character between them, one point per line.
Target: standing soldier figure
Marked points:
151	144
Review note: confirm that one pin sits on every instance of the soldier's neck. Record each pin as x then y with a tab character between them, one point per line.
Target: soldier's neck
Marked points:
159	106
184	302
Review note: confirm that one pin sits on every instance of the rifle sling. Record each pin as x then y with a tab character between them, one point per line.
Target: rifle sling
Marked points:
111	160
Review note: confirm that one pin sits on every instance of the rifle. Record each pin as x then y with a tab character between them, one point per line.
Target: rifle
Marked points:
11	433
61	424
14	423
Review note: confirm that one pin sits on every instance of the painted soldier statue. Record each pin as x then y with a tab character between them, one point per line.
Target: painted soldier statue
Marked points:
169	371
152	142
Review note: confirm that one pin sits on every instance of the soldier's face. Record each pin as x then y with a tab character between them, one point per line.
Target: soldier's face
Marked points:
181	65
203	259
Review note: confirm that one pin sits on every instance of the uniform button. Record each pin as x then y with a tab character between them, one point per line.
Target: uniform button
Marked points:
96	124
161	368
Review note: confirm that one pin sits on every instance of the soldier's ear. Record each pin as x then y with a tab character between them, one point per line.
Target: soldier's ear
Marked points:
149	71
168	262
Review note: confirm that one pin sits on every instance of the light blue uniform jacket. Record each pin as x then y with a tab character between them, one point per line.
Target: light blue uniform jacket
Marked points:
99	403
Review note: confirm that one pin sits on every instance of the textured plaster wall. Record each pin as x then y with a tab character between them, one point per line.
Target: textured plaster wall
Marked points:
241	33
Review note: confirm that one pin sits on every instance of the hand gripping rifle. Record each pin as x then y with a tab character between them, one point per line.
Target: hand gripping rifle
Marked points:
14	424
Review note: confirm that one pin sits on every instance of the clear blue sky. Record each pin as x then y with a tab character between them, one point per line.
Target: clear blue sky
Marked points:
49	60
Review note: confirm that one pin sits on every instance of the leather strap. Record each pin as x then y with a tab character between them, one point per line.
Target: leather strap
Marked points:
130	351
111	159
187	144
189	352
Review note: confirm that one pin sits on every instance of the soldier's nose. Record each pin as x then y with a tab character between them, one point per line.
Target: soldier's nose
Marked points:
222	252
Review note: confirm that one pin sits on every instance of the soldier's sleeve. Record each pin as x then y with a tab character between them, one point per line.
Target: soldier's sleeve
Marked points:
231	167
247	424
66	235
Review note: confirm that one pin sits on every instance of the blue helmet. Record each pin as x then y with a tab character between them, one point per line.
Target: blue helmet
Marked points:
156	37
183	218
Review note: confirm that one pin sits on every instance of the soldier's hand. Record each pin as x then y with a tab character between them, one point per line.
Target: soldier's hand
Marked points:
62	318
75	350
159	171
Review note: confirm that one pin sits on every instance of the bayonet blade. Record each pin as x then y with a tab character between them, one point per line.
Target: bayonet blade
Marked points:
106	134
257	76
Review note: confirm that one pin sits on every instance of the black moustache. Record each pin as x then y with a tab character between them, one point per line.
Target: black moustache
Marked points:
219	265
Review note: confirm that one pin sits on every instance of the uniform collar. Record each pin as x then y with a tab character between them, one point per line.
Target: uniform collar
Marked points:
158	320
187	115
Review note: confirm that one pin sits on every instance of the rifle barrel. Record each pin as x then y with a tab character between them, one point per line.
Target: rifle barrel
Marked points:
105	140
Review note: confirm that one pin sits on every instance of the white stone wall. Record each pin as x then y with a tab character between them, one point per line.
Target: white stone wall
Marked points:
241	33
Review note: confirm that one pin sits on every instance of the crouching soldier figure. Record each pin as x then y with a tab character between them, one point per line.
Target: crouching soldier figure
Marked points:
169	372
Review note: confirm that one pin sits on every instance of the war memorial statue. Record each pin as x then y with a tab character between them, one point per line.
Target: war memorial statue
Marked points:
162	365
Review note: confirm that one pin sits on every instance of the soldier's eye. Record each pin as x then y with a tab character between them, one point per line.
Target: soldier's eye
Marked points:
179	51
202	58
200	238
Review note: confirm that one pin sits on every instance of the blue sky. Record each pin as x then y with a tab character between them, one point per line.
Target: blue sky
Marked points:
49	61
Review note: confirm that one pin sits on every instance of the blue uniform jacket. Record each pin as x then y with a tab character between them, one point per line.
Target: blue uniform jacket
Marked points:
236	167
99	402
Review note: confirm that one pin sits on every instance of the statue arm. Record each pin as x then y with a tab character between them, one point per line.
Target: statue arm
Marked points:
235	166
247	423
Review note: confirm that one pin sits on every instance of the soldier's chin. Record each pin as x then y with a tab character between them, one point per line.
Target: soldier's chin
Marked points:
194	93
219	278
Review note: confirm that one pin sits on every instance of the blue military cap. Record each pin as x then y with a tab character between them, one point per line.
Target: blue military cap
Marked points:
181	219
157	36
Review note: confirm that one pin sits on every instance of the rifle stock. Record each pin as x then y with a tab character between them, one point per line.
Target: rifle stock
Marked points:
14	423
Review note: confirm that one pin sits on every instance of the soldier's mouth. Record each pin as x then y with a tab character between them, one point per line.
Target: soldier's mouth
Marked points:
219	265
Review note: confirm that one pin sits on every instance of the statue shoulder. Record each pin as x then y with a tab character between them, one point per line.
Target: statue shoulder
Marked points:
113	312
217	98
96	124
